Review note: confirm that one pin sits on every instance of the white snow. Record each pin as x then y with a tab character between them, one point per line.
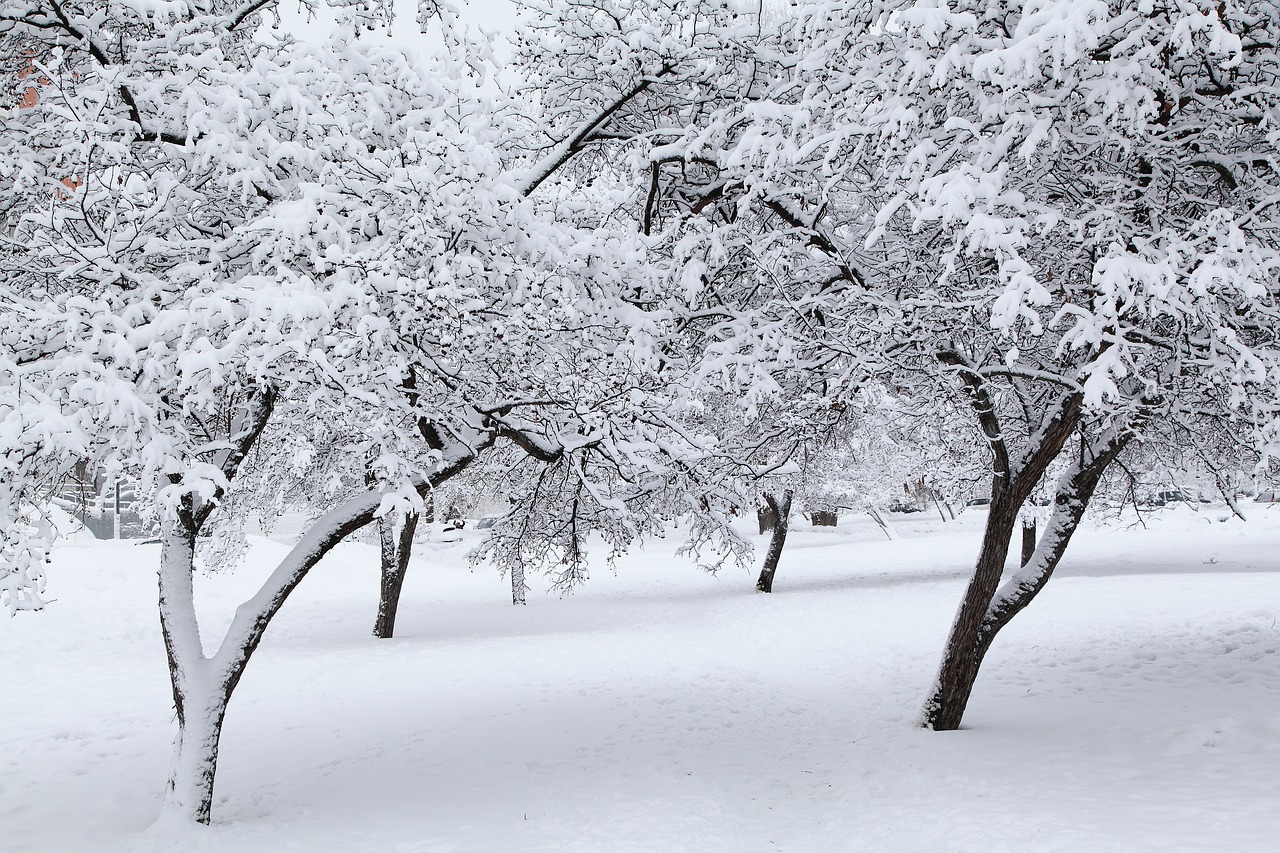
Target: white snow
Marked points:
1132	707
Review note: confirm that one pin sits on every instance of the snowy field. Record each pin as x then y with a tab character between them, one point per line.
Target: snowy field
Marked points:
1134	706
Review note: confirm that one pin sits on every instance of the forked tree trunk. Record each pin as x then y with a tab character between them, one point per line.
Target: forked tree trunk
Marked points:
780	507
986	607
1028	540
395	536
203	685
1011	485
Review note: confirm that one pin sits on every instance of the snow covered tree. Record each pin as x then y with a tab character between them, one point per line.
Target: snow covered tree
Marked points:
208	276
594	78
1053	212
263	236
1098	170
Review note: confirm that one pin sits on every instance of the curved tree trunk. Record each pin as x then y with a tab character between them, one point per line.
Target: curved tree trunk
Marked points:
395	535
780	507
987	609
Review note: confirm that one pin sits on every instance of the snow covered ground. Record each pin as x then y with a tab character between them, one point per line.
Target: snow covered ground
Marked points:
1133	707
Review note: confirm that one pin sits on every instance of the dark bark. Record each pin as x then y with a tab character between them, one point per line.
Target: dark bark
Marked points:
397	545
780	507
959	668
1070	503
588	130
1010	488
1028	540
983	613
823	518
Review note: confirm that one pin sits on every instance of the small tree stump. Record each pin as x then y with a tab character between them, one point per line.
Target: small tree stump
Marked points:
822	518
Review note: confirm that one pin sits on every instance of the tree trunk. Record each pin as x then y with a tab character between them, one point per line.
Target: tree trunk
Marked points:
202	686
987	608
959	670
395	534
1028	540
189	792
938	504
1011	485
1233	505
780	507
